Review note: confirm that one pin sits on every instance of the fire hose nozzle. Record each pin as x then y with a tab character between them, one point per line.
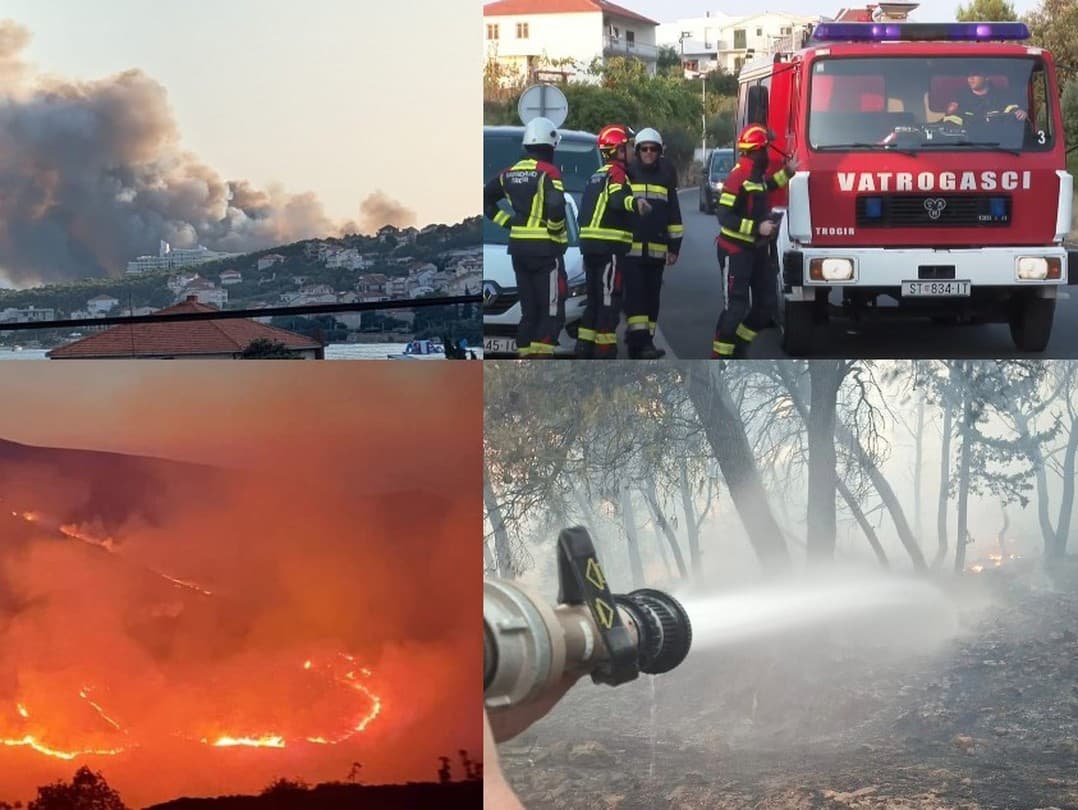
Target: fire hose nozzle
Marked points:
529	644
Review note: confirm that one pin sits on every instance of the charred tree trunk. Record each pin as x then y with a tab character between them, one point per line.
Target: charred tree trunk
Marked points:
825	377
918	462
503	555
962	540
726	436
1048	533
692	527
945	485
1001	538
660	544
862	521
628	520
1066	505
662	525
887	495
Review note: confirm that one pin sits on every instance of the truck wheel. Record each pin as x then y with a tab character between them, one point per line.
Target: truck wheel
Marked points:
1031	322
703	208
797	325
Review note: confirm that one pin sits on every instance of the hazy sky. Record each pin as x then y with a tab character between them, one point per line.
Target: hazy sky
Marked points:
337	97
670	10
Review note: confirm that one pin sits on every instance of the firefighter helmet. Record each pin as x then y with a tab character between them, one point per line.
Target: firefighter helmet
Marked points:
753	137
611	137
649	135
541	132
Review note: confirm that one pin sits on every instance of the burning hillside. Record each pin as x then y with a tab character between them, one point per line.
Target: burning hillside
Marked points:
189	629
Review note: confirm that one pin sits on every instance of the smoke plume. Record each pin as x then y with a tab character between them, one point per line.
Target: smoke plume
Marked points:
379	210
92	174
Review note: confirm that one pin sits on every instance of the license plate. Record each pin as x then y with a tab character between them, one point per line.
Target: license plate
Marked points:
935	289
494	345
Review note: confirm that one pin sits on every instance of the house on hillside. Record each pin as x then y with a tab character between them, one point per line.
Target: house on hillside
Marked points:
101	305
266	262
206	292
719	41
224	339
229	277
530	39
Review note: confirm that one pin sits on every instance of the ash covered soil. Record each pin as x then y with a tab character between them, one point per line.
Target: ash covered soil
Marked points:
985	715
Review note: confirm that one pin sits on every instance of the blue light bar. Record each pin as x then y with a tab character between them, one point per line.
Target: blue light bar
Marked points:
919	32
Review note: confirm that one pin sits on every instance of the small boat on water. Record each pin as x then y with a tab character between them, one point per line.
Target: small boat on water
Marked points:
421	350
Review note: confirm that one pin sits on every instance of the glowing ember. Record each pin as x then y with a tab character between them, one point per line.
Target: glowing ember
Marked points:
976	569
184	584
99	710
41	748
22	710
306	664
253	742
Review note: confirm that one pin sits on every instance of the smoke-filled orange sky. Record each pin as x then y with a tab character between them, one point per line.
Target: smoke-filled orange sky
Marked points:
325	566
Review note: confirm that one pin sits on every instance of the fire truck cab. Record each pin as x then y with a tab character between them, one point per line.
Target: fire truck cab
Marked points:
932	178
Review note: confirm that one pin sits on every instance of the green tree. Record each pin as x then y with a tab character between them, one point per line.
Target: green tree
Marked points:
87	791
1070	123
1054	26
986	10
668	60
265	349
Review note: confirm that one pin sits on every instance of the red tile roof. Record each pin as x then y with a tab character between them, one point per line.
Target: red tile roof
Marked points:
181	338
503	8
856	14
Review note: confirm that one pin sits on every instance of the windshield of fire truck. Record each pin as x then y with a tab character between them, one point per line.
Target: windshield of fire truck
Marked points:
921	104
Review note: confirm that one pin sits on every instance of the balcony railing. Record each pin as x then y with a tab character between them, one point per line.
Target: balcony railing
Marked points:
619	46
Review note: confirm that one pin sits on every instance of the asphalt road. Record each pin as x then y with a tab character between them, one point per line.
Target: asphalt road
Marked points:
692	301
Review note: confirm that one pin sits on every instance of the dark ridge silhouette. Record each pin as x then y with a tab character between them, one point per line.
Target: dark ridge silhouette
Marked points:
110	487
331	796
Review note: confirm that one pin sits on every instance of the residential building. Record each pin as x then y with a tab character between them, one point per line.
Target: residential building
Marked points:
173	259
230	277
224	339
543	39
178	283
206	292
29	314
101	305
720	41
266	262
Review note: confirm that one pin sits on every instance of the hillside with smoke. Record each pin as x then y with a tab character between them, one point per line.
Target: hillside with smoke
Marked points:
93	173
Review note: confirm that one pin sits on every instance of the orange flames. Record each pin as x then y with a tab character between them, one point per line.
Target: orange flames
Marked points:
230	739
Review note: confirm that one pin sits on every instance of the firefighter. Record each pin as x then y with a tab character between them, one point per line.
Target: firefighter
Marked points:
745	231
538	237
979	101
606	220
656	242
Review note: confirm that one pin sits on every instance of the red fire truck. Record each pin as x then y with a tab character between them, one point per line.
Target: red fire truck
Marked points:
932	178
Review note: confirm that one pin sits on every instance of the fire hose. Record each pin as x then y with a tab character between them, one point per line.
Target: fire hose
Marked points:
529	644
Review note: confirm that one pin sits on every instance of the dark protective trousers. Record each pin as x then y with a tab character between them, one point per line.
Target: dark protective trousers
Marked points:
597	334
643	279
543	287
751	299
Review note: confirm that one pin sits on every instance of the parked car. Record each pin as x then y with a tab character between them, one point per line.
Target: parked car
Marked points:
577	157
719	164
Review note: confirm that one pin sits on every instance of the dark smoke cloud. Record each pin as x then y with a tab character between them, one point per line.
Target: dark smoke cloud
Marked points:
379	210
92	174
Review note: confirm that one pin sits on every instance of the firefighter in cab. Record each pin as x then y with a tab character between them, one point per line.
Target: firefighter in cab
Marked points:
656	242
981	102
607	218
528	198
745	232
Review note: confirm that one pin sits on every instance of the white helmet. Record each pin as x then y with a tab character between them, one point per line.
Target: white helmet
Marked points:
541	132
649	135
